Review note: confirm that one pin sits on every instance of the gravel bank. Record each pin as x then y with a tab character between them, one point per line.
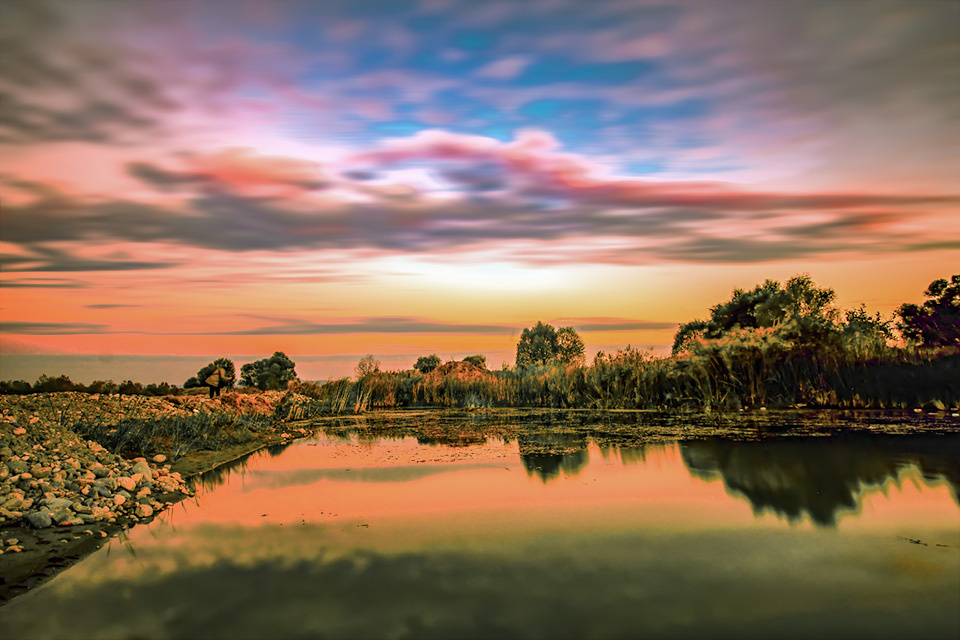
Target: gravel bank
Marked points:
63	496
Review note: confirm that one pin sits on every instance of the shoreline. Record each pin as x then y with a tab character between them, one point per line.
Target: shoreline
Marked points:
48	551
44	552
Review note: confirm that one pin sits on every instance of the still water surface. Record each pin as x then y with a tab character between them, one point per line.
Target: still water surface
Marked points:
554	531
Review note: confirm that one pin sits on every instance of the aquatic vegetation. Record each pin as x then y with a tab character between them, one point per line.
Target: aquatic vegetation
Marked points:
172	433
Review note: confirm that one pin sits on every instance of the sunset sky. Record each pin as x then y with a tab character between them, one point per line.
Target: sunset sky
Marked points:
332	179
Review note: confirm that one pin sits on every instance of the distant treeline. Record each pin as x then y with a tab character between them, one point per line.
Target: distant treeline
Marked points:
774	346
47	384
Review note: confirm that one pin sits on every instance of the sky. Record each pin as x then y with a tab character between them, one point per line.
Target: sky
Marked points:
332	179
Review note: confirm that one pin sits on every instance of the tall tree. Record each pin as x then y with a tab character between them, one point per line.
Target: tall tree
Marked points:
543	344
367	365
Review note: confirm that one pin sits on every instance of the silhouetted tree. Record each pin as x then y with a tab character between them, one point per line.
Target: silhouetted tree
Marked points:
46	384
936	322
367	365
426	364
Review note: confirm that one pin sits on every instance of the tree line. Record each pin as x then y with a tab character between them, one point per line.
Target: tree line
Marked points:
777	342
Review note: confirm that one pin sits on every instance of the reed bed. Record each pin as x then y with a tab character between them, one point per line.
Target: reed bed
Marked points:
748	368
174	435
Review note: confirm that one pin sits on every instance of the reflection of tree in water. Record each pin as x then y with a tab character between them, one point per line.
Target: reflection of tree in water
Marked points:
818	476
547	454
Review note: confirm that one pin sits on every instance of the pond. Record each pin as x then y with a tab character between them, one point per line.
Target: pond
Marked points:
534	525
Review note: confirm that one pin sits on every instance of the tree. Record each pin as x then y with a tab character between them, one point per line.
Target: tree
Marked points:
46	384
220	363
543	344
275	372
859	322
426	364
799	308
479	361
570	349
367	365
936	322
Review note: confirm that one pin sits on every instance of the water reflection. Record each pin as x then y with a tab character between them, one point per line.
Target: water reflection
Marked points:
575	526
817	477
548	454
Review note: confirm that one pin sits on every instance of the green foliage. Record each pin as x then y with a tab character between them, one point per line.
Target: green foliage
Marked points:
543	344
220	363
426	364
366	366
275	372
935	323
192	383
130	388
15	387
174	435
45	384
799	308
570	349
479	361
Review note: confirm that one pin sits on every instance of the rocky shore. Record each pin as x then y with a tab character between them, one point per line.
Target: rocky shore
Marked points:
62	496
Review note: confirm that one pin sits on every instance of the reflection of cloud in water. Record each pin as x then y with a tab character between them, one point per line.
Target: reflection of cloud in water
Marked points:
269	479
819	477
560	587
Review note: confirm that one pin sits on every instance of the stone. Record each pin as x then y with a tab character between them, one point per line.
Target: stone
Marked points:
99	470
17	466
62	515
39	519
129	484
144	511
40	471
159	458
72	521
56	503
143	468
118	500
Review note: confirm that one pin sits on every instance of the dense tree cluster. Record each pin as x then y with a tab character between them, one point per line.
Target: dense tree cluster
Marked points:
47	384
478	360
275	372
543	344
936	322
800	304
426	364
